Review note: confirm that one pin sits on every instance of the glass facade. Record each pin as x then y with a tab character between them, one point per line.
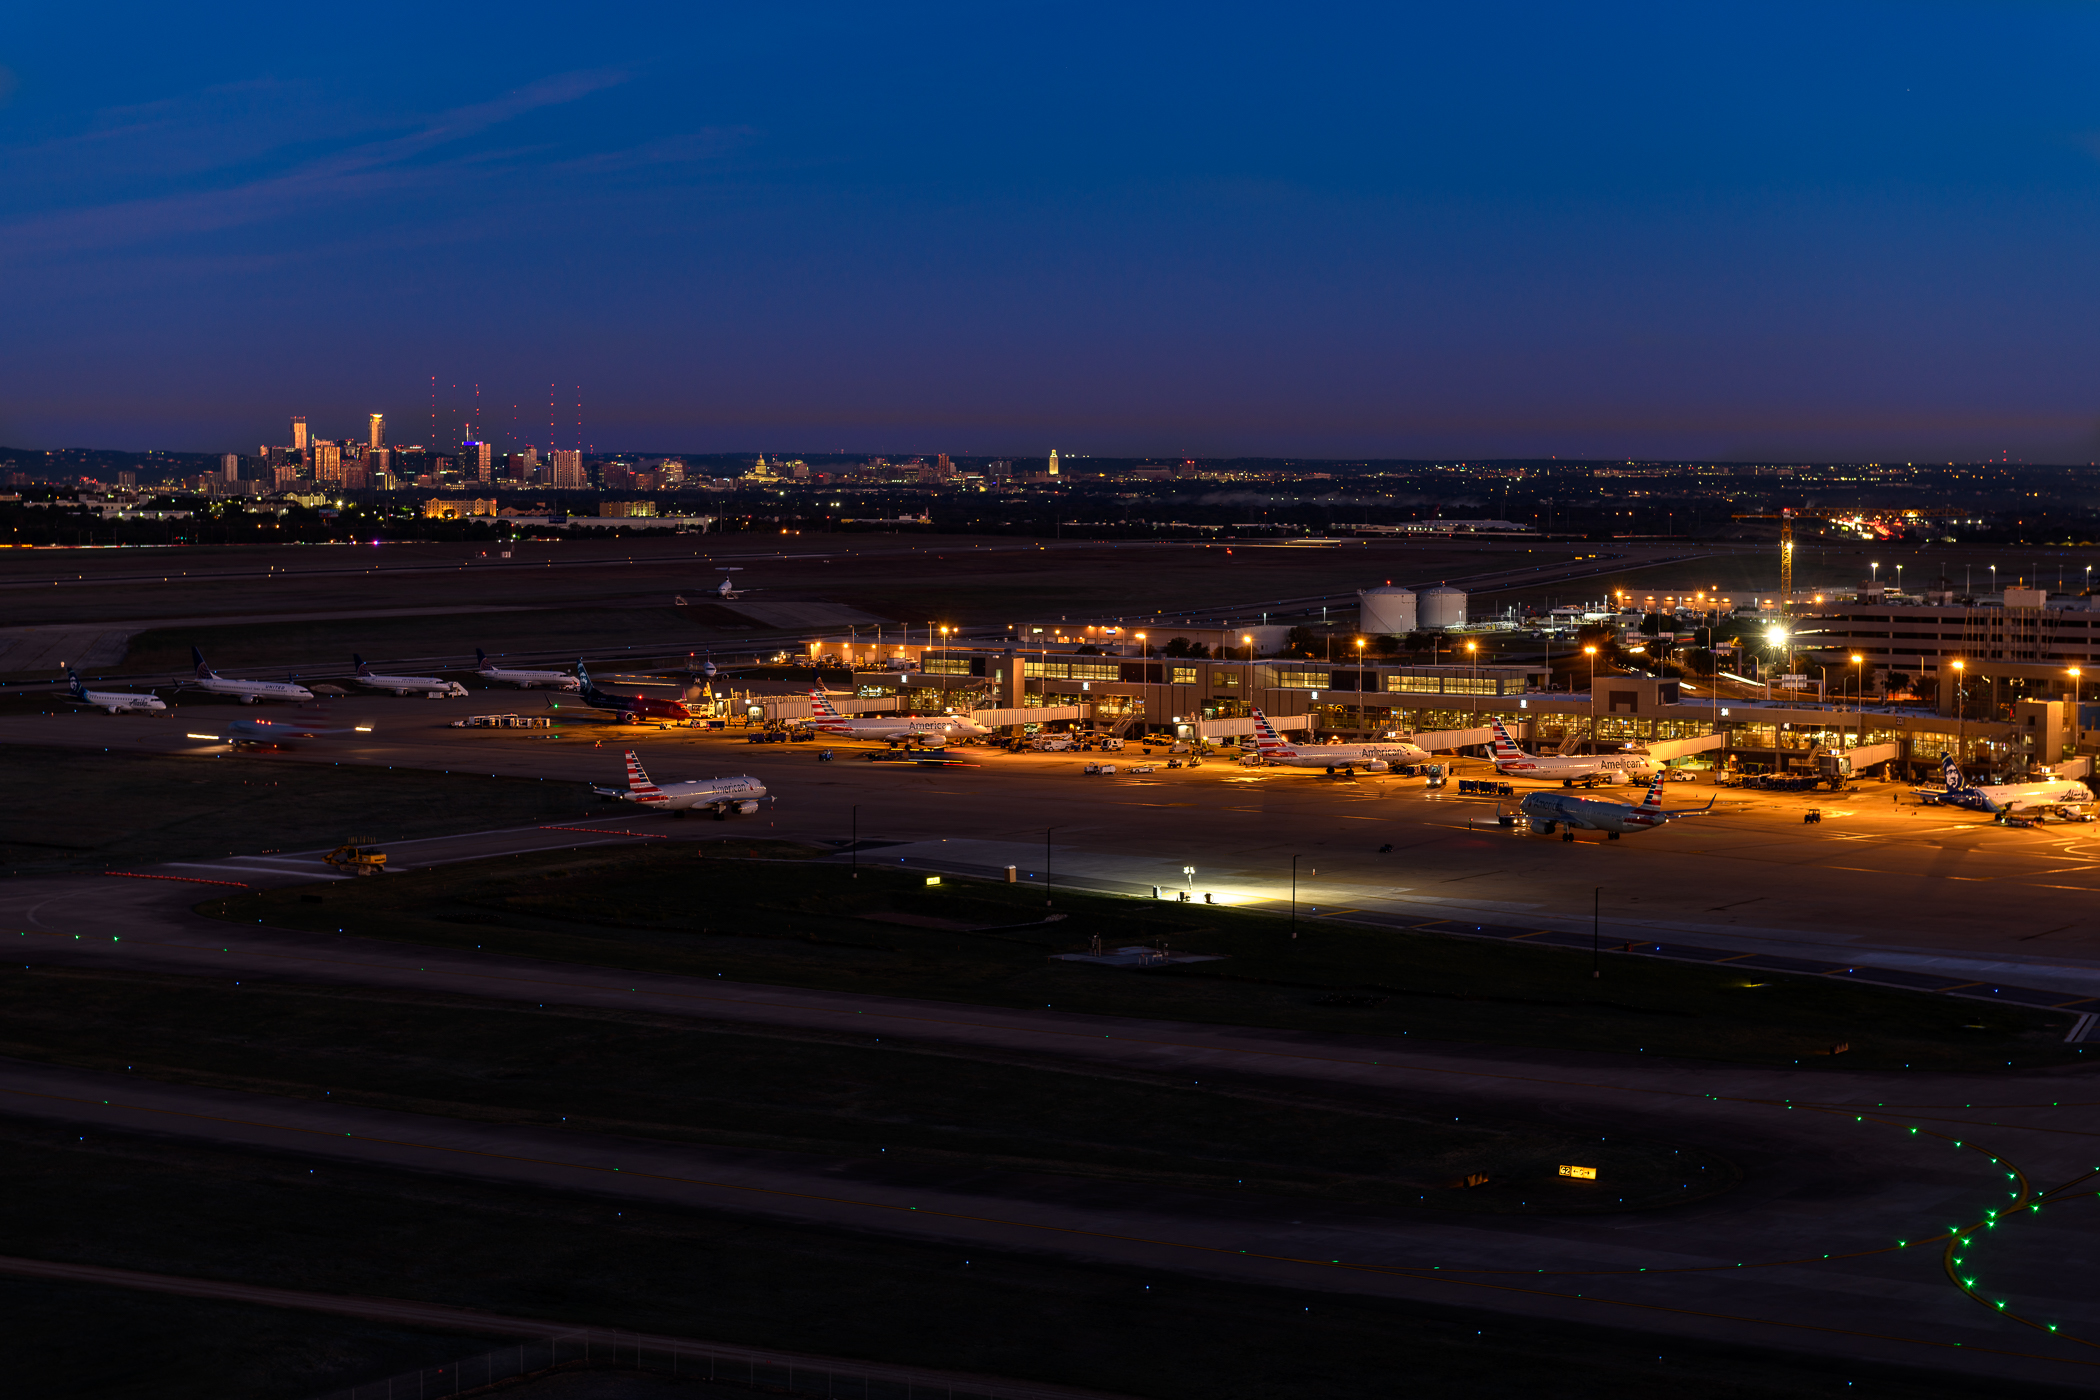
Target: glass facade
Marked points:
1301	680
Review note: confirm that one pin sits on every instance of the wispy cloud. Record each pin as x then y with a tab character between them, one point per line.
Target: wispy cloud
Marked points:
405	160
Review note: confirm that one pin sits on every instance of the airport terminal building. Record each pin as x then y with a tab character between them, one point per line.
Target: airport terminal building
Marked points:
1210	698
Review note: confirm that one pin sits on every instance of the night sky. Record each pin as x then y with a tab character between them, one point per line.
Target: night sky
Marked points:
1760	231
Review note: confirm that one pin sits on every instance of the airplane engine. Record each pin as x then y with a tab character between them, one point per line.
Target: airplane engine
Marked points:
747	808
1539	828
933	741
1377	765
1618	778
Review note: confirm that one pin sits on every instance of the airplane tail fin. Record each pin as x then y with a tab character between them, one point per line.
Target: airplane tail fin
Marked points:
481	659
638	781
824	708
583	674
1266	741
359	662
1504	747
204	672
1655	790
1950	773
76	687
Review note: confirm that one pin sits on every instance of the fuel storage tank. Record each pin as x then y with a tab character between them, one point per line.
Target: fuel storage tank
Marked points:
1443	606
1385	612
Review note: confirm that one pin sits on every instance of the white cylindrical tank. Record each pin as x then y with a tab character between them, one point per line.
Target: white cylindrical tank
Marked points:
1385	612
1443	606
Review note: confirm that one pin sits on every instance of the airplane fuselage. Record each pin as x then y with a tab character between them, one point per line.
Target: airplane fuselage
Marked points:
1344	755
1620	767
249	692
711	792
530	680
1546	810
119	702
1999	798
431	686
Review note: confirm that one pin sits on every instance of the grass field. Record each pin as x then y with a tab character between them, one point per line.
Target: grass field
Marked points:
105	810
83	1340
447	638
940	1109
137	1203
888	932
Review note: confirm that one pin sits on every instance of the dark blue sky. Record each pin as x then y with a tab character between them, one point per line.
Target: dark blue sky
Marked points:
1739	231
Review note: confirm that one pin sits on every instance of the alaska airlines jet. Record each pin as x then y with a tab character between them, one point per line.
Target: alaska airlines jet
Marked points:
212	683
724	795
1372	758
631	709
117	702
2003	800
523	680
1550	810
931	729
1614	768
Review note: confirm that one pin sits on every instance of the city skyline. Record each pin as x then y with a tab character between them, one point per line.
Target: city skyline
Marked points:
1791	233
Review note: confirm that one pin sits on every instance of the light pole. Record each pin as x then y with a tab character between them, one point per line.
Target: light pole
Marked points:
1247	690
1899	580
1473	655
1961	705
1859	695
1596	916
2074	706
1591	652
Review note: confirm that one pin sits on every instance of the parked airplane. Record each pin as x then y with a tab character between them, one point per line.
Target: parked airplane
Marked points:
631	709
2003	800
212	683
934	730
301	725
1550	810
723	795
430	687
523	680
115	701
1614	768
1372	758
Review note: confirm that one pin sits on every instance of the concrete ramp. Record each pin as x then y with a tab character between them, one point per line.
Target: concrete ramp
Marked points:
48	650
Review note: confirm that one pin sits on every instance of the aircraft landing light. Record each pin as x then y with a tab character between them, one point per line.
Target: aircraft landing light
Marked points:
213	737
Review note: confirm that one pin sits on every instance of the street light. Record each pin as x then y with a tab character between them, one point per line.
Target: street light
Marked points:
1859	694
1961	705
2074	704
1473	655
1591	652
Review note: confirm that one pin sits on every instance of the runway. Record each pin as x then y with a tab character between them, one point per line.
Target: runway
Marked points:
1804	1256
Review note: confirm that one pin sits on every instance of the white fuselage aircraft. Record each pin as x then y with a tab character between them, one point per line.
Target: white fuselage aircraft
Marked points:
429	686
2004	800
929	729
248	692
117	702
523	680
303	725
1548	811
1372	758
723	795
1614	768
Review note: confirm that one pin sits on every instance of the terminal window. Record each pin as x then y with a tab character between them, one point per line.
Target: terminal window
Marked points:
1184	675
1430	685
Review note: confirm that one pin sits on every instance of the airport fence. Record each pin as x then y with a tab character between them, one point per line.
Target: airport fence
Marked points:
738	1368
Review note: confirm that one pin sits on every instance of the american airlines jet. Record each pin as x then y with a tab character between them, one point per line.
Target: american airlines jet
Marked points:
117	702
1614	768
1548	811
212	683
1372	758
933	729
724	795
